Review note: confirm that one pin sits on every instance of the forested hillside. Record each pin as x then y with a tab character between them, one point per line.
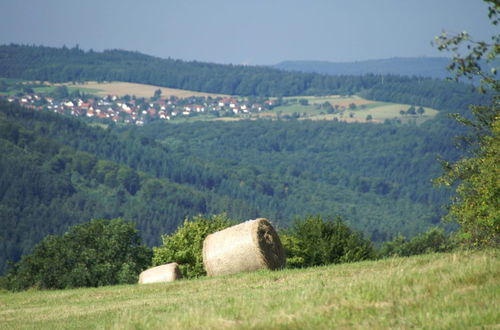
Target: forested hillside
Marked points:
369	174
46	186
64	64
431	67
58	171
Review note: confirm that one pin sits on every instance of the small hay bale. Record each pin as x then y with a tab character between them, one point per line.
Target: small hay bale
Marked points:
246	247
164	273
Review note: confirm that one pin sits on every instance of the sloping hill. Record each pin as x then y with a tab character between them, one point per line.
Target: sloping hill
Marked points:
431	67
65	65
58	171
439	291
377	177
139	90
47	186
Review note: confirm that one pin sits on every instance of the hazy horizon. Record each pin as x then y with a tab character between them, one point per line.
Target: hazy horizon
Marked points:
240	32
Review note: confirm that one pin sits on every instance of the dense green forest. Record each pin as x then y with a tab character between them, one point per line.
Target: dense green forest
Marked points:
432	67
73	64
46	186
58	171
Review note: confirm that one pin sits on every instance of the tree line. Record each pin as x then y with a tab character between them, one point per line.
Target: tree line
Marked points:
73	64
109	252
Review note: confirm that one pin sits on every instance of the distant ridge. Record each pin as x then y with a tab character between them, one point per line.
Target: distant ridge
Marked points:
75	65
430	67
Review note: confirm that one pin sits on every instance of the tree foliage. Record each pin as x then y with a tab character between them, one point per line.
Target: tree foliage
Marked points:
62	172
185	246
477	200
63	65
92	254
476	204
57	171
47	186
434	240
313	241
469	65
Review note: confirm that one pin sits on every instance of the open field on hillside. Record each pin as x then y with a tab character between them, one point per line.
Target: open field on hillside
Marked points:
346	108
43	87
117	88
139	90
438	291
333	99
379	111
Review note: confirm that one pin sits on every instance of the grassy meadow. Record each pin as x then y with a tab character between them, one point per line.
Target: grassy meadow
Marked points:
102	89
45	87
379	111
440	291
119	88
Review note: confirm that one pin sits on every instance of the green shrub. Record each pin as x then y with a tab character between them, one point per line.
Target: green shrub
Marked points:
313	241
434	240
293	254
100	252
185	246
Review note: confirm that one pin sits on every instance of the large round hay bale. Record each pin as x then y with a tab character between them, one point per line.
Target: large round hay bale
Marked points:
164	273
246	247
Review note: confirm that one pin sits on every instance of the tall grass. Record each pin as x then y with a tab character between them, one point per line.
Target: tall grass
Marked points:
439	291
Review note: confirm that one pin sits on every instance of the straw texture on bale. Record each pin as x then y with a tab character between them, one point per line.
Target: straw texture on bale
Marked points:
164	273
246	247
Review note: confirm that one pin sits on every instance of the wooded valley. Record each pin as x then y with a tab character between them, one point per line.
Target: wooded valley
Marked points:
58	171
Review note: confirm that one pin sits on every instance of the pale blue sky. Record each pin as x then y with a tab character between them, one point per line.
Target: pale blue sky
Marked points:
245	32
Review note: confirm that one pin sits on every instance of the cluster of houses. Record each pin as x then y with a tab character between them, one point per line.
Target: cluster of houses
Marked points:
139	111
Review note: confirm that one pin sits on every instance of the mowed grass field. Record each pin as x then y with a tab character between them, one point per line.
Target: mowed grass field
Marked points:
458	290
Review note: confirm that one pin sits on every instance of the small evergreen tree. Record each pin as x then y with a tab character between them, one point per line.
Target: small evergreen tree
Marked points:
411	110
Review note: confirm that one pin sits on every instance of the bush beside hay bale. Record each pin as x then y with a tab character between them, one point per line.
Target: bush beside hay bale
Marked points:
95	253
313	241
246	247
164	273
186	244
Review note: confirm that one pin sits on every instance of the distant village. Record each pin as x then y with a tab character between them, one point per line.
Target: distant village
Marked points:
139	111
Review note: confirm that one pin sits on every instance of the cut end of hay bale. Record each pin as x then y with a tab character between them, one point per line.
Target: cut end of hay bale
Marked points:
164	273
270	247
249	246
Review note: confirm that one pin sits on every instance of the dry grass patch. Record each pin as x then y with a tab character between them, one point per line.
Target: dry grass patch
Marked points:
379	111
139	90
